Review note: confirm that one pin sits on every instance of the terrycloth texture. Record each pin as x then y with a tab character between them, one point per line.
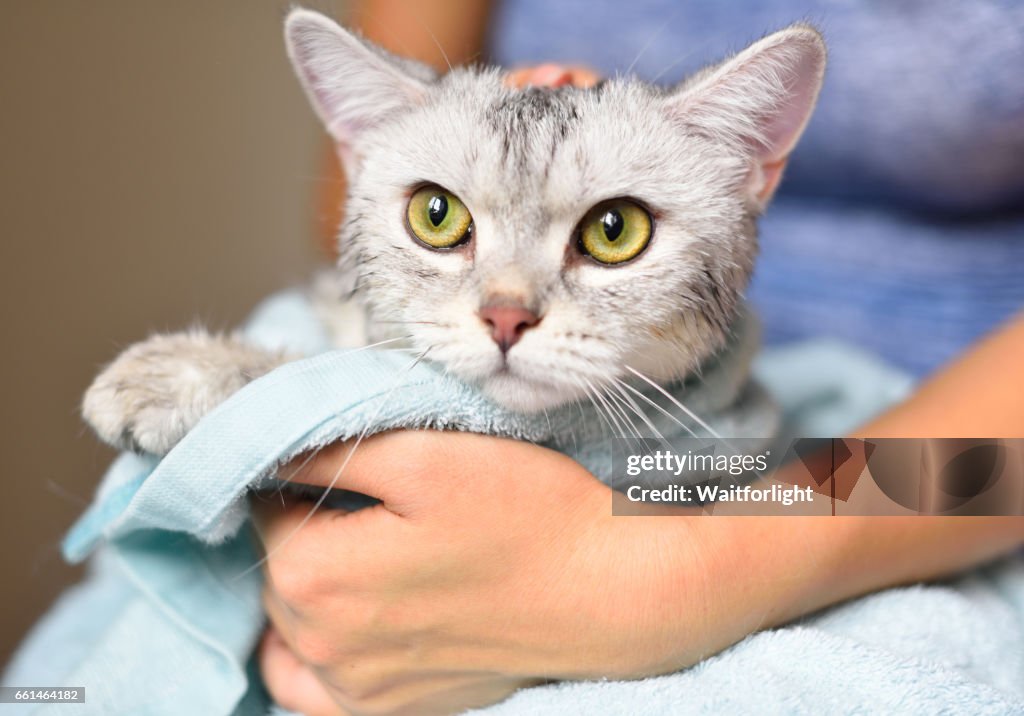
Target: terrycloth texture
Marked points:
168	619
952	649
899	226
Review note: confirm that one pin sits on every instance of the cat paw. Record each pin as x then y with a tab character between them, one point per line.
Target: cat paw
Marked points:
157	390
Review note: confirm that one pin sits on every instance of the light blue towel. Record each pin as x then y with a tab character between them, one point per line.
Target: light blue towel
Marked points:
168	619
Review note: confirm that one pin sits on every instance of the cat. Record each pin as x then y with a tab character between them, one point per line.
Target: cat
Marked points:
530	241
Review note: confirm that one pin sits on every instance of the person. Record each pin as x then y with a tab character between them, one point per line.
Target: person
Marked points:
460	588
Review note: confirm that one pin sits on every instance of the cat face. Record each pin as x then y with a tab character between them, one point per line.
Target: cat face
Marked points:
540	242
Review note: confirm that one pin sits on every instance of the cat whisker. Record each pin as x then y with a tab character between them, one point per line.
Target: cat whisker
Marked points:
380	343
626	419
436	324
622	435
59	490
639	412
707	40
547	417
627	402
666	413
609	411
597	408
693	416
439	48
604	410
422	23
655	36
296	471
671	66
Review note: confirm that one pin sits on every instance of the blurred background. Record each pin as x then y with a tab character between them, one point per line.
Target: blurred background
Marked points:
159	167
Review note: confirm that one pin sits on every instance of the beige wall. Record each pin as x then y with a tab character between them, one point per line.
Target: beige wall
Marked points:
157	166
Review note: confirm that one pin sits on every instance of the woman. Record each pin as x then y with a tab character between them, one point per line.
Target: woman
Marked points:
895	229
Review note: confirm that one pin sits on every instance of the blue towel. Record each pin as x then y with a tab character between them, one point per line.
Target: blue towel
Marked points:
167	621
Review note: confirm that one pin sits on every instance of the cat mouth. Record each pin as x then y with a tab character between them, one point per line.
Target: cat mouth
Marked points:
508	373
525	391
507	370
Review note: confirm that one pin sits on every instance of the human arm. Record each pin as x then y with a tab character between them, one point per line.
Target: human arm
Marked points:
979	395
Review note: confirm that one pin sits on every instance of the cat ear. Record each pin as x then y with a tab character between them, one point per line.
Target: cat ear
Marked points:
759	100
351	84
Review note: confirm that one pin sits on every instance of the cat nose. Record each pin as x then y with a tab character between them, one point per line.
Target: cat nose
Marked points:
508	323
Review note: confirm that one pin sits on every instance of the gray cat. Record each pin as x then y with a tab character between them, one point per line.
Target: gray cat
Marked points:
535	242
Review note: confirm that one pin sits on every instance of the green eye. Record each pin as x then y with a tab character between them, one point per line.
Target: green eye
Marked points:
438	218
615	231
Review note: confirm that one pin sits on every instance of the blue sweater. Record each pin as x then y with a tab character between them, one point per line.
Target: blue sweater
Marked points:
900	224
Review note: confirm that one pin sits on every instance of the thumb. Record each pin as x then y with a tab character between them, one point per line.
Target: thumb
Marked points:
386	466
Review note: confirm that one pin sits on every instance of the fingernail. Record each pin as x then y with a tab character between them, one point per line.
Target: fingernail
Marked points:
550	76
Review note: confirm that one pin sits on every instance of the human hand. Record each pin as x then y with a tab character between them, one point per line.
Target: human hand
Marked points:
552	75
490	564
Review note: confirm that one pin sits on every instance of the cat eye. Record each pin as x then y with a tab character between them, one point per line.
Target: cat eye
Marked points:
615	231
438	218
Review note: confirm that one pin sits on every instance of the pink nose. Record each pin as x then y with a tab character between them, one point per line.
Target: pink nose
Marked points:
508	323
